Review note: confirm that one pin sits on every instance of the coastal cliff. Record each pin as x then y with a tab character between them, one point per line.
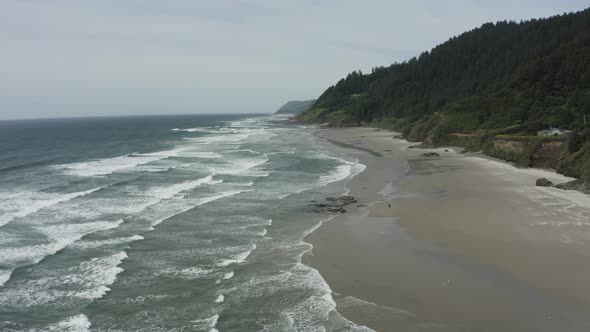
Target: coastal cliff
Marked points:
295	106
516	91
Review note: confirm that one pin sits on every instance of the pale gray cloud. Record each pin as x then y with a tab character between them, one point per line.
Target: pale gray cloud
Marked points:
110	57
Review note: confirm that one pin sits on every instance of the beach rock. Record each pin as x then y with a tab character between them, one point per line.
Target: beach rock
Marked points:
332	204
578	184
542	182
429	155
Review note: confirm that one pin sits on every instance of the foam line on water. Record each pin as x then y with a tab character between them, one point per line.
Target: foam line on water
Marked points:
109	165
78	323
200	202
192	130
238	258
95	276
59	236
4	276
240	165
209	322
87	281
107	242
170	191
22	204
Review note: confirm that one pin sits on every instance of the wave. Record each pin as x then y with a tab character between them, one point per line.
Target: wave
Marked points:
107	242
343	171
87	281
238	258
199	202
220	139
28	165
170	191
209	322
109	165
78	323
203	155
193	272
4	276
243	184
192	130
58	237
239	166
95	276
22	204
209	199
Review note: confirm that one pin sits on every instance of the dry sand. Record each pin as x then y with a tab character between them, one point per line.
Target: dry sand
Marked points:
456	243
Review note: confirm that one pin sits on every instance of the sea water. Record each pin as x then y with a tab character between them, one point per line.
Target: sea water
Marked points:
168	223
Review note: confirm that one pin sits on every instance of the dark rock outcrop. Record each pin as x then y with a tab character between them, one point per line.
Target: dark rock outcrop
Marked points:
332	204
429	155
542	182
578	184
420	131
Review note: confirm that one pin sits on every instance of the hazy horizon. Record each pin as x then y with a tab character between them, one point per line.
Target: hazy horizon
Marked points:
107	58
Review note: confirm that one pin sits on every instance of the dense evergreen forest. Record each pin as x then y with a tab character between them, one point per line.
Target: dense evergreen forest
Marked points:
506	78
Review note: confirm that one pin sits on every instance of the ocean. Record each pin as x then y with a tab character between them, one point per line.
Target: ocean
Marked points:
164	223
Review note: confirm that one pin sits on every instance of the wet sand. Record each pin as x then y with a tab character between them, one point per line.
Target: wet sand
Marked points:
455	243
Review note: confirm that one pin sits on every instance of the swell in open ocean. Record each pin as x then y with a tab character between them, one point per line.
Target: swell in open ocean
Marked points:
164	223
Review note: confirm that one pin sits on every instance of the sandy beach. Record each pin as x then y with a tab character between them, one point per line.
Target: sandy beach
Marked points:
459	242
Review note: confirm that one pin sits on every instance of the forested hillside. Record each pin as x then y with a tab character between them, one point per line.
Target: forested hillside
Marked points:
295	106
507	78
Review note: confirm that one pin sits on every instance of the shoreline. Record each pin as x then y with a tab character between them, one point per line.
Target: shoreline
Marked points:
455	243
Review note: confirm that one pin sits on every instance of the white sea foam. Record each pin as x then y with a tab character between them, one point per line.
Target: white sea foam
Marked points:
107	242
228	275
240	165
199	202
193	272
78	323
347	169
203	155
94	276
219	139
243	184
86	281
192	130
220	298
170	191
110	165
58	237
209	199
4	276
22	204
139	200
238	258
210	323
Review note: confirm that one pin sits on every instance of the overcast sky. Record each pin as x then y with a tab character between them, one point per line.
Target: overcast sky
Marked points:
116	57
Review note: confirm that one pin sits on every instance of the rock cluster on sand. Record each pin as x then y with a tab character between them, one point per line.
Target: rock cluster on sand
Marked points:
332	204
578	184
542	182
429	155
